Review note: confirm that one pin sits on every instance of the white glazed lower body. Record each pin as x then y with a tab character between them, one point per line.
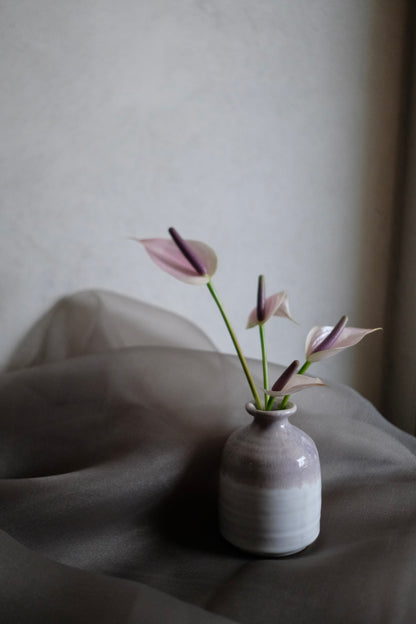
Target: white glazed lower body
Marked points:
269	521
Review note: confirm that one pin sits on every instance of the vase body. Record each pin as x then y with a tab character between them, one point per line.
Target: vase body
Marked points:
270	485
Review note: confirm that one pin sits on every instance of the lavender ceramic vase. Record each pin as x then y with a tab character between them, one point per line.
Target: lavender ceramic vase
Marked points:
270	485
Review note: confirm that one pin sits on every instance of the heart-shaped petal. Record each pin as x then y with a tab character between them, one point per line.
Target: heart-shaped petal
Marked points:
166	254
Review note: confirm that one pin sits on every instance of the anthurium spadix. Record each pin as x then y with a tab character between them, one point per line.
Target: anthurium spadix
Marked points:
190	261
323	342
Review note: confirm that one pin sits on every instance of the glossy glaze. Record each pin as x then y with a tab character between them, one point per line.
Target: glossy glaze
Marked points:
270	485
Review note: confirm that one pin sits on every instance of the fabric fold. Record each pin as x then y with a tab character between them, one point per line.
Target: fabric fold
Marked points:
109	459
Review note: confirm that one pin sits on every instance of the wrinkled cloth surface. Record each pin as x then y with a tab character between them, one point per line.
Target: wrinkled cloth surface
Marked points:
113	417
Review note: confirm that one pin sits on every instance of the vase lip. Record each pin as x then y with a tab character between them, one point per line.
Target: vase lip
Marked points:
278	413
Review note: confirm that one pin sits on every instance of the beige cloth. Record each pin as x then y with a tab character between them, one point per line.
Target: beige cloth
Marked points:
113	416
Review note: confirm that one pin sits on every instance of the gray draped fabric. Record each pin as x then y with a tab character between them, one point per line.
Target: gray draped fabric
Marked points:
113	416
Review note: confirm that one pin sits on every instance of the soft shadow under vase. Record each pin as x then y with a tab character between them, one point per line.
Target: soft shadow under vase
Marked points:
270	485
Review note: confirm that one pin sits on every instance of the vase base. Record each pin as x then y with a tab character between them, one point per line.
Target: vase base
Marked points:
270	554
275	522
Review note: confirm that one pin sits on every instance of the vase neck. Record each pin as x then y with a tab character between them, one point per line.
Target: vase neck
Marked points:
271	416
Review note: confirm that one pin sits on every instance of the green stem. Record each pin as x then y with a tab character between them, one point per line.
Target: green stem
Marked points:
237	346
269	403
302	370
284	402
304	367
264	361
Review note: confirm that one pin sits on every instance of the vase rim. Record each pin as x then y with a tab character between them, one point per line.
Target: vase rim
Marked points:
277	413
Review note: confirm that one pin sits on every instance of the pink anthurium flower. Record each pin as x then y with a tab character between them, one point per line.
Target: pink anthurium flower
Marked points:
190	261
195	263
275	305
323	342
289	382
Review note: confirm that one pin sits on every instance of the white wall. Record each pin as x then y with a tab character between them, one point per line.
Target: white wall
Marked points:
267	129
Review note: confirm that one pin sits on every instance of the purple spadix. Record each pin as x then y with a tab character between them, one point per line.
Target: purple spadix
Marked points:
192	258
261	299
285	376
332	337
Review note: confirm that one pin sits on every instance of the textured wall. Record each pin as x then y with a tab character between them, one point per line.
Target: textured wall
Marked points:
267	129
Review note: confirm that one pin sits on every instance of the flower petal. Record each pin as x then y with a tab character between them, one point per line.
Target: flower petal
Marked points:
314	338
252	319
275	305
278	305
349	337
296	383
167	255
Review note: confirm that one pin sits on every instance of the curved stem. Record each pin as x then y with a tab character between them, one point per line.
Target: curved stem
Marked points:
236	346
264	362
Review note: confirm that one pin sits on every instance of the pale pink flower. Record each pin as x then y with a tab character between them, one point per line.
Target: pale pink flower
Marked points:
190	261
323	342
